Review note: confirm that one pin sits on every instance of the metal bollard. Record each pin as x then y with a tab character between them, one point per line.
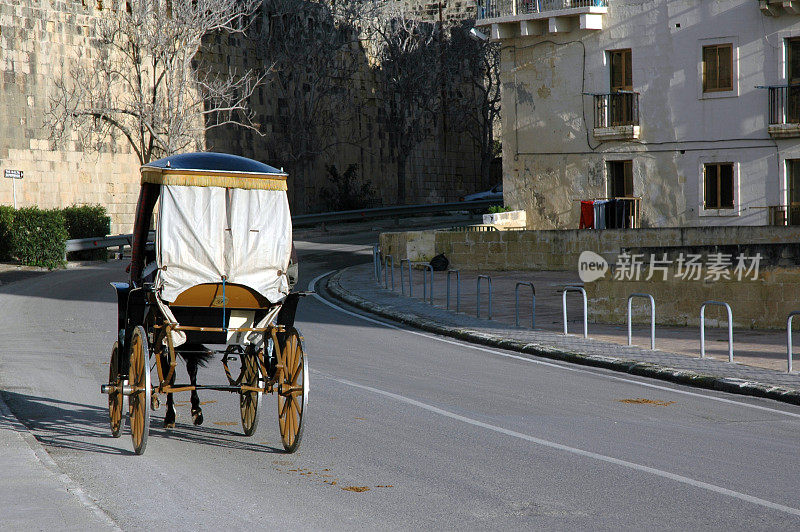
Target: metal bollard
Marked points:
533	303
585	308
703	328
410	286
789	339
387	270
489	280
426	267
376	261
458	289
652	319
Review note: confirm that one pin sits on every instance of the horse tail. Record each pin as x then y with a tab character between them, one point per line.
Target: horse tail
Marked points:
196	353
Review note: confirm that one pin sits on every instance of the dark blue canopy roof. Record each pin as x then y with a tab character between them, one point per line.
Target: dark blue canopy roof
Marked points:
213	161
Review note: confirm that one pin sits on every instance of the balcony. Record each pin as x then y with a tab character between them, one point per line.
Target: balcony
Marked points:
784	111
776	8
509	19
616	116
784	215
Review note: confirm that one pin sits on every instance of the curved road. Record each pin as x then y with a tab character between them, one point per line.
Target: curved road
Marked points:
441	434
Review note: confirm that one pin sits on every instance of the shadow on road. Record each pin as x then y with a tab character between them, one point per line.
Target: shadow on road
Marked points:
78	427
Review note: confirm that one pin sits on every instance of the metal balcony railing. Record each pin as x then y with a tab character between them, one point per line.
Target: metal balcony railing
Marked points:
616	109
784	104
784	215
505	8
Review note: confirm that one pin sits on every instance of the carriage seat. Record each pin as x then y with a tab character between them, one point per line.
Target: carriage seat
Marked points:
210	295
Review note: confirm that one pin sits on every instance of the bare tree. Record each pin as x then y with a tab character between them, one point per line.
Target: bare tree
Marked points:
472	76
140	78
408	53
314	47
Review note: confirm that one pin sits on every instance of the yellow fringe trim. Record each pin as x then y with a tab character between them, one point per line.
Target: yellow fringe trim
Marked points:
187	178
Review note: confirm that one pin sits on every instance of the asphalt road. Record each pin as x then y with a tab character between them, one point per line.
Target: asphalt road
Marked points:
443	435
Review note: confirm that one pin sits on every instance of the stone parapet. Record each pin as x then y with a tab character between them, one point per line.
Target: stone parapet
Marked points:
763	302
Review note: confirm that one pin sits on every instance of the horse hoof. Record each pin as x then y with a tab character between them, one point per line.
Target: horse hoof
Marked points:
169	425
169	420
197	416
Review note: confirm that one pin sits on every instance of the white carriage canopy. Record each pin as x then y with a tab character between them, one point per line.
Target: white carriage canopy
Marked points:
220	217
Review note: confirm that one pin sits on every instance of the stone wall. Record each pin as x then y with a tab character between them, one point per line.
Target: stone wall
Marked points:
559	250
760	300
36	36
763	302
442	168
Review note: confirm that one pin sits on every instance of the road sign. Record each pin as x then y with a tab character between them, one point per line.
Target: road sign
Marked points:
13	174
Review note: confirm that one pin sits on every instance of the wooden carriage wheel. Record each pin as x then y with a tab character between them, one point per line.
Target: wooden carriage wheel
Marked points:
115	399
292	390
249	401
139	400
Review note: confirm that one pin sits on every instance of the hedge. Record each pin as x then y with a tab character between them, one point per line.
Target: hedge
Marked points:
38	237
6	219
87	221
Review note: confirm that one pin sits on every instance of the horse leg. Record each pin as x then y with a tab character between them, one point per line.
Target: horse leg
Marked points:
169	416
197	412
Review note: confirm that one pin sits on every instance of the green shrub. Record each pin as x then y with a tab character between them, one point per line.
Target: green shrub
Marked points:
38	237
6	219
496	209
347	191
87	221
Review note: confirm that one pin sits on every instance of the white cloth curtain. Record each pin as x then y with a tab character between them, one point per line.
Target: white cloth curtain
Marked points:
204	233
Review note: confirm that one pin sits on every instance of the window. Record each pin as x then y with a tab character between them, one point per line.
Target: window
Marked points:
718	67
793	79
621	105
793	178
718	186
620	179
621	75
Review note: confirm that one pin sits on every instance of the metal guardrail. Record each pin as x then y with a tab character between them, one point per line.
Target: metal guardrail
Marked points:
458	289
504	8
533	302
652	319
703	328
585	308
83	244
302	220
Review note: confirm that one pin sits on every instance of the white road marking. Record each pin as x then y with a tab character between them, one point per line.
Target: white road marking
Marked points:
588	454
541	362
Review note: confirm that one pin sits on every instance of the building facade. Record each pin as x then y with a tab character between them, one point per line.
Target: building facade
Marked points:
686	107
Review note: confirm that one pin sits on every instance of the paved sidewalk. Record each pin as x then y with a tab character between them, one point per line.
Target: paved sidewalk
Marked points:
34	493
357	286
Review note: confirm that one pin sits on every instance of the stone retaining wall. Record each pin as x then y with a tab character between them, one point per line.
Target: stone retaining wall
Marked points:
559	250
760	303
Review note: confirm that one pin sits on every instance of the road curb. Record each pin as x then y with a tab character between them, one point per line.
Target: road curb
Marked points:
642	369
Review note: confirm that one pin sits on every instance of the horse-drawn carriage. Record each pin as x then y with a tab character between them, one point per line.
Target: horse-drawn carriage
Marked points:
218	276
